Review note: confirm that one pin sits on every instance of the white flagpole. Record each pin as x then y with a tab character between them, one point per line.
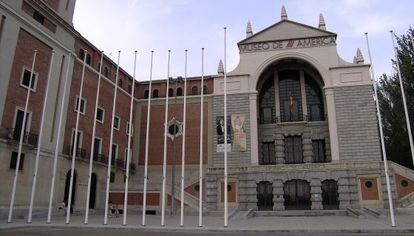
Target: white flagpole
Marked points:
75	146
164	163
39	142
93	142
407	118
52	185
144	201
384	153
22	134
183	143
200	178
131	110
108	174
225	130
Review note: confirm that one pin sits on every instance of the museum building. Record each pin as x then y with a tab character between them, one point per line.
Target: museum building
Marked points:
302	126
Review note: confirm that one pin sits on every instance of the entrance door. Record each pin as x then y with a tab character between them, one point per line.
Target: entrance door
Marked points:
330	195
265	196
67	184
92	195
297	195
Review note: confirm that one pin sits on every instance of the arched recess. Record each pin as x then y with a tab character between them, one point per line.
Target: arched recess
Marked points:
67	184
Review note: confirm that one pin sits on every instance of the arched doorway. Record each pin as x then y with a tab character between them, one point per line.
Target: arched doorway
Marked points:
67	184
330	195
297	195
92	194
265	196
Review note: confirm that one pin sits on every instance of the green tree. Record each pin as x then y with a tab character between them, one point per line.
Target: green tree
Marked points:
391	105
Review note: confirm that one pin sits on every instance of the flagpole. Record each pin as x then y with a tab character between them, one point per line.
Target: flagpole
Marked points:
183	143
75	143
384	153
131	110
108	174
52	185
200	181
407	118
144	201
164	164
93	142
39	142
225	130
22	134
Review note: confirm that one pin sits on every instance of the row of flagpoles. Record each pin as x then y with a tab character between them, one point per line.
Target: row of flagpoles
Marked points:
74	147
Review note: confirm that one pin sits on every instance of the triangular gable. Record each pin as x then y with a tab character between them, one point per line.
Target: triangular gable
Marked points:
286	29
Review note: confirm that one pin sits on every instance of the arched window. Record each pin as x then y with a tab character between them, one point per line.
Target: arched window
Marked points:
155	93
170	92
267	102
119	82
146	94
194	90
88	59
314	99
179	92
290	96
106	72
204	89
81	54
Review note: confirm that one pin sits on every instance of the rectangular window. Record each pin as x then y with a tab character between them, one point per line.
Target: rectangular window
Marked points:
38	17
78	142
18	125
25	80
13	161
112	177
319	151
116	122
100	114
82	105
97	144
127	129
268	154
293	150
114	154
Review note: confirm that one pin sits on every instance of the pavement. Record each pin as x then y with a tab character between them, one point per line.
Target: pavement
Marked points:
280	224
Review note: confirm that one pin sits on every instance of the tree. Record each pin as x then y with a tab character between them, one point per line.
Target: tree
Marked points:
391	105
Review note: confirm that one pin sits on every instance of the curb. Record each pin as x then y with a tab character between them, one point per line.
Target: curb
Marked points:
202	229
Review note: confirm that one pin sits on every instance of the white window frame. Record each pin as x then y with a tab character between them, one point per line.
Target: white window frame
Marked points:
84	106
126	155
29	121
36	78
100	144
127	129
117	151
80	141
119	122
103	115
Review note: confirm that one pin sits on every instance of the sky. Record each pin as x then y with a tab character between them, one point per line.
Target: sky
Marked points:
177	25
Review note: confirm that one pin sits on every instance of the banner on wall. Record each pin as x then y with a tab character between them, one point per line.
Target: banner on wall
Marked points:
239	132
220	133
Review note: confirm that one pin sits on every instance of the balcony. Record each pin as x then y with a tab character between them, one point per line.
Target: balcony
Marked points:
28	138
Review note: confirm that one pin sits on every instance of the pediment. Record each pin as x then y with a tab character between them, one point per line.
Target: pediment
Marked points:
284	30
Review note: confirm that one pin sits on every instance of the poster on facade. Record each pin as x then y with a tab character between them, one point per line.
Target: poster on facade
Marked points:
220	133
239	133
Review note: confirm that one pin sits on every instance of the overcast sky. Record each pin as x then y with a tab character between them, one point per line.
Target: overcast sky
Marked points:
159	25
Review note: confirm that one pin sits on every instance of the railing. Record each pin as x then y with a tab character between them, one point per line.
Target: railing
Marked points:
292	118
99	158
28	138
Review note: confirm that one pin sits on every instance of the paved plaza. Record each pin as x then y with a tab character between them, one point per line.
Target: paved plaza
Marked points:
338	224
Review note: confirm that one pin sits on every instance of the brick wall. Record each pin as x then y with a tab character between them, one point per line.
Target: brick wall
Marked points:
16	94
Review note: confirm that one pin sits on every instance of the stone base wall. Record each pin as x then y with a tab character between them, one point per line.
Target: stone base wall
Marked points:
346	174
